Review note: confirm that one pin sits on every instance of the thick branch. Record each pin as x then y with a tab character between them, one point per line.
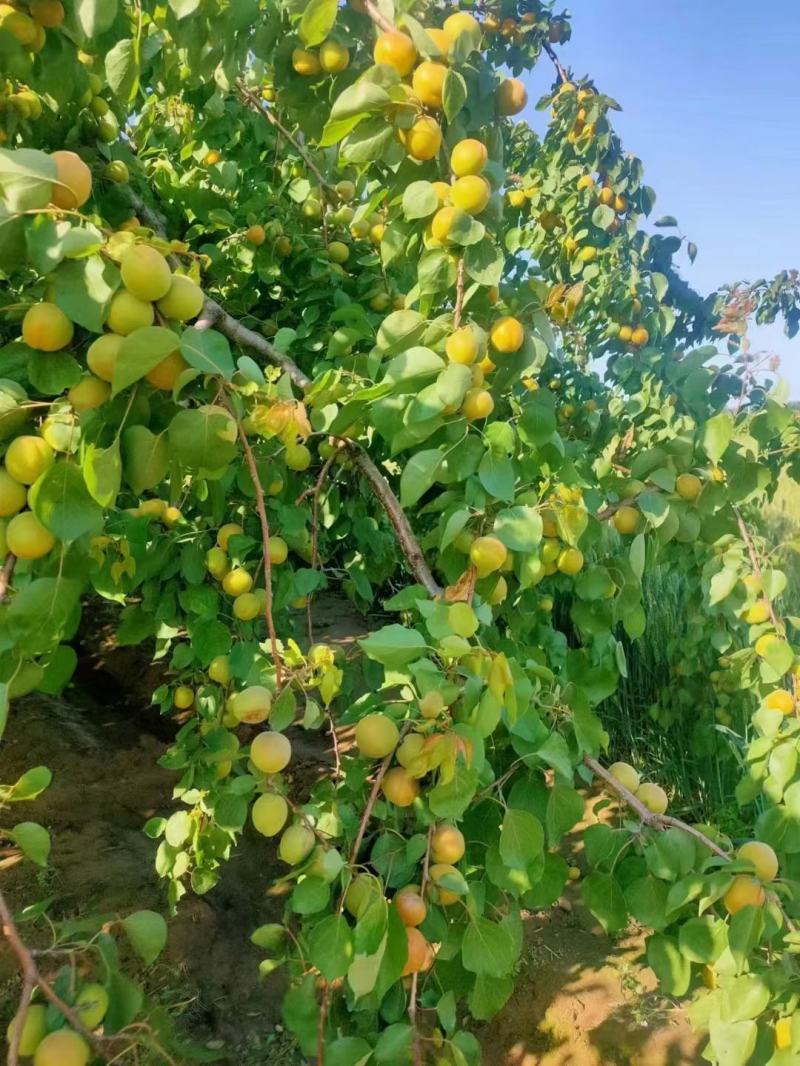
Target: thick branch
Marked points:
405	534
378	18
215	315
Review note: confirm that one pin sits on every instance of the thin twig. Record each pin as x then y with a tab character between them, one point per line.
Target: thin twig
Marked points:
6	574
32	978
323	1018
378	18
261	508
459	307
412	998
562	74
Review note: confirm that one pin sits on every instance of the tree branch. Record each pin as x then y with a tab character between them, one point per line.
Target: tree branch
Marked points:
378	18
459	306
405	534
6	574
412	998
562	74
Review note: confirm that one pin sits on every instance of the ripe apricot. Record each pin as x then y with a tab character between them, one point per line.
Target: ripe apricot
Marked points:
570	561
462	346
516	197
90	392
585	181
237	581
460	22
765	642
506	335
296	844
640	337
487	554
102	355
424	138
469	156
305	62
376	736
73	184
33	1029
48	13
145	272
606	196
428	83
410	906
763	858
230	529
46	328
183	300
625	333
745	891
269	814
625	774
217	563
397	786
653	797
13	495
445	896
442	190
395	49
445	219
420	952
447	844
270	752
127	312
27	458
247	607
333	57
688	487
62	1048
255	235
477	403
27	538
625	520
757	614
780	699
165	374
278	551
471	193
251	705
511	96
783	1033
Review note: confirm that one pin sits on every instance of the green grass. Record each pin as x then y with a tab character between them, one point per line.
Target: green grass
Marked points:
663	723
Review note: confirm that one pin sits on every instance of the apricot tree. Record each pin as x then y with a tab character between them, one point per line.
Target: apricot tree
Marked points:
292	304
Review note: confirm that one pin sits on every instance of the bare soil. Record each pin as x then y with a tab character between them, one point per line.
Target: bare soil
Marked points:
581	999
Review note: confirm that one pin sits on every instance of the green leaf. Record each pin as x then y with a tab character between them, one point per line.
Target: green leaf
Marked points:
301	1014
178	828
673	970
311	895
671	855
183	8
418	475
145	458
454	93
703	939
26	179
564	810
33	840
147	932
359	99
204	437
208	351
496	473
39	614
394	645
519	528
487	948
394	1044
83	290
348	1051
521	839
31	784
646	899
122	70
102	472
139	352
484	262
489	995
317	21
62	503
603	216
717	435
95	16
733	1043
419	200
51	373
603	896
331	947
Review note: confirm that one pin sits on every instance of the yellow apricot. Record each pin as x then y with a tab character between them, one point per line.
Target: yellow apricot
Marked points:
305	62
780	699
570	561
640	337
183	697
278	551
165	374
444	220
511	97
101	358
745	891
13	495
395	49
63	1047
90	392
48	13
270	752
442	190
33	1029
376	736
398	786
469	156
652	796
763	858
237	581
506	335
516	197
410	906
487	554
219	669
471	193
73	184
445	896
231	529
27	458
462	346
145	272
247	607
424	138
428	83
27	538
217	563
183	301
477	403
688	487
333	57
783	1033
625	520
269	814
46	328
127	312
296	844
626	775
420	955
447	844
460	22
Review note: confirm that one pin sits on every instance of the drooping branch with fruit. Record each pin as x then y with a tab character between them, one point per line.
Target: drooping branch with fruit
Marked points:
292	305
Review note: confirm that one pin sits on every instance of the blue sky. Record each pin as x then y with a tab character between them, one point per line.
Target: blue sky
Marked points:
710	98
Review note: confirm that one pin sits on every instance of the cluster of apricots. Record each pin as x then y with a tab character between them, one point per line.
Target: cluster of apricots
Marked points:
61	1046
28	23
237	581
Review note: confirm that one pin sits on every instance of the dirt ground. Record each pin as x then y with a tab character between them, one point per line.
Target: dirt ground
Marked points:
581	999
